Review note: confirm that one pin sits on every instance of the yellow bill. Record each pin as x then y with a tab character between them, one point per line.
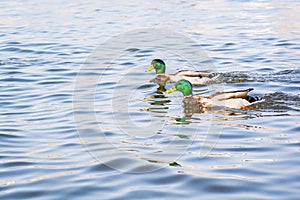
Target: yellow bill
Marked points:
173	89
151	67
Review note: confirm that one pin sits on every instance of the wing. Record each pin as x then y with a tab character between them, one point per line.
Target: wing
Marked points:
231	94
189	73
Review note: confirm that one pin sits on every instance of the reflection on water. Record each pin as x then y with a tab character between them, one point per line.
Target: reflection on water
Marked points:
127	121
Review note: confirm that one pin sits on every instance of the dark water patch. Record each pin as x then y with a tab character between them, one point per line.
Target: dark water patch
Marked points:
145	168
20	107
226	63
294	129
205	45
147	51
293	145
128	63
22	80
79	52
16	49
165	179
13	43
222	189
16	164
4	135
22	50
265	69
107	84
6	103
58	69
296	48
16	63
283	44
14	113
229	44
152	193
245	172
133	49
221	50
47	44
52	82
58	96
63	54
71	145
247	149
12	73
142	55
30	194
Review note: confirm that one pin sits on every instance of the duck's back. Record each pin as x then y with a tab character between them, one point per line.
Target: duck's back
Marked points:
231	94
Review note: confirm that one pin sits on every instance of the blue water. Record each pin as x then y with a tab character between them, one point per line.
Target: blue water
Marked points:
76	120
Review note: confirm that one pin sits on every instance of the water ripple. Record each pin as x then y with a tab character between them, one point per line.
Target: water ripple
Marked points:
253	152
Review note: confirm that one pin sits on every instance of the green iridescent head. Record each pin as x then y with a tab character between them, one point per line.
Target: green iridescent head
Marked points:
158	65
183	86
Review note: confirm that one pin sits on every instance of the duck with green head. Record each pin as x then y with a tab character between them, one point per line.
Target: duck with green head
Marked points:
194	77
237	99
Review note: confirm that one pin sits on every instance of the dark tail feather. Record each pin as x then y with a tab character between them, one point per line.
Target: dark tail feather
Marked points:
253	99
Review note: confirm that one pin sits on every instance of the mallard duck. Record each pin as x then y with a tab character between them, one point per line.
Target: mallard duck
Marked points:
237	99
195	77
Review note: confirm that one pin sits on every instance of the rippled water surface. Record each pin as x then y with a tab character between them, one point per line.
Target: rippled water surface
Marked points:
81	119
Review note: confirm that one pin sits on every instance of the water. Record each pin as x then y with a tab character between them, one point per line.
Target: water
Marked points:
56	144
